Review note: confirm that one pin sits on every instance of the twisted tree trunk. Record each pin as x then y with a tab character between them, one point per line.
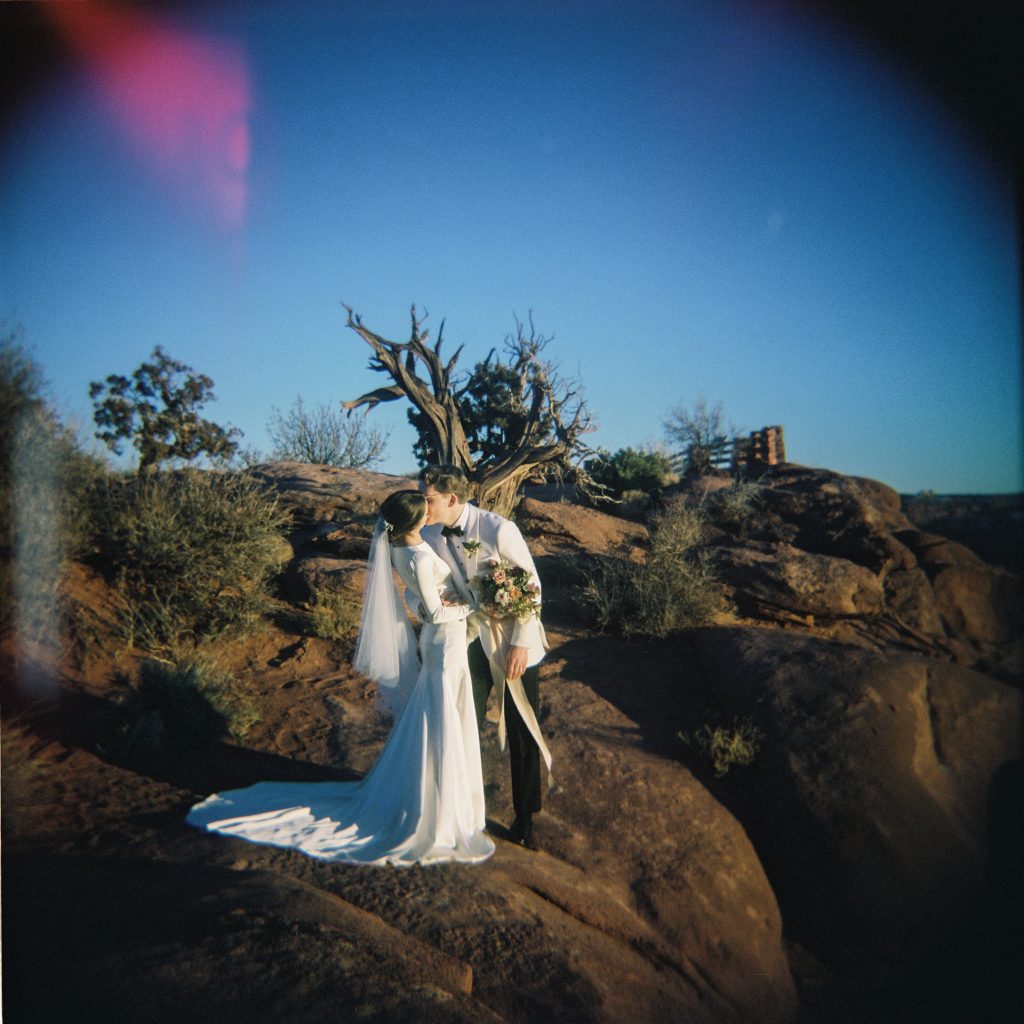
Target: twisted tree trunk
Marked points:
552	416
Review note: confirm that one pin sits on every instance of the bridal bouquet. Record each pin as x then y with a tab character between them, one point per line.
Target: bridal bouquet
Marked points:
506	590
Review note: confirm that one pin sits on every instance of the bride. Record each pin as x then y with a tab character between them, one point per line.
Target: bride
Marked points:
423	800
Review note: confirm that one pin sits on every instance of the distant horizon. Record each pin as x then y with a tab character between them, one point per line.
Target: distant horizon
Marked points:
87	440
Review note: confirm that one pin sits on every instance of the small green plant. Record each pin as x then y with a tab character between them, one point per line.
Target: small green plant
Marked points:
181	706
603	589
736	507
634	504
333	614
726	748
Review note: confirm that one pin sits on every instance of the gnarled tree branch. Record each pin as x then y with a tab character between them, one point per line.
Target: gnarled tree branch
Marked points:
542	417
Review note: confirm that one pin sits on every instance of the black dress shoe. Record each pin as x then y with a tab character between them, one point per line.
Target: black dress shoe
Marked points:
521	831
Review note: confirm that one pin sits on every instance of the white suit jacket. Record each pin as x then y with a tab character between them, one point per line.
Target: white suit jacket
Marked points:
498	538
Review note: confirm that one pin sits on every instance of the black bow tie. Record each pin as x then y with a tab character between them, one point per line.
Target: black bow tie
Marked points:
451	531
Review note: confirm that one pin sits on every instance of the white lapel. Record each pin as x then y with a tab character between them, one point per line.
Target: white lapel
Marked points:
490	527
471	532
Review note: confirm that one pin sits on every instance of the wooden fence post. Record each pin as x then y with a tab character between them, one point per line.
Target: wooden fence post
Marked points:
766	446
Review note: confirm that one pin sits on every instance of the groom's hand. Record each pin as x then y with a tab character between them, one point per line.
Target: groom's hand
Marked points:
516	662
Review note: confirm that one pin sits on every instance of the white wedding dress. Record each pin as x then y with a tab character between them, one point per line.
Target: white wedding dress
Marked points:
423	800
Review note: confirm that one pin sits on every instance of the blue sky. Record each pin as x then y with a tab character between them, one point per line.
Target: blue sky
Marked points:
698	199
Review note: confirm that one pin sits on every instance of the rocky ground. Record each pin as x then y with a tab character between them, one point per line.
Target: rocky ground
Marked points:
866	866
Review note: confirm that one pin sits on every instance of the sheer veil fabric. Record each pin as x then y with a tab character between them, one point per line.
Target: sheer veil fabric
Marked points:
386	644
422	802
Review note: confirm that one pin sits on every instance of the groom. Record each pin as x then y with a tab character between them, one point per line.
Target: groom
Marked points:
502	652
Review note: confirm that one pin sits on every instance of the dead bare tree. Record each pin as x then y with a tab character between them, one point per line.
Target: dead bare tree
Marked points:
503	423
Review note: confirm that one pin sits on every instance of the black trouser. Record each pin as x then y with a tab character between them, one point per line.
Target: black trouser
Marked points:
524	755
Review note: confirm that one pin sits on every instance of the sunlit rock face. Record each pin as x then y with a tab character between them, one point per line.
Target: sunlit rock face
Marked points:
836	553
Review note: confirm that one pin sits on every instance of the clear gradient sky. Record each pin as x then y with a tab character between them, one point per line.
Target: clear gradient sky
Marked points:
718	199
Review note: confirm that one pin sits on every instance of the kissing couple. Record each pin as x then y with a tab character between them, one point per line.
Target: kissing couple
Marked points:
471	580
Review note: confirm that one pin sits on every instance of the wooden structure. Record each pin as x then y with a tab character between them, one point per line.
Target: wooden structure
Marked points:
764	447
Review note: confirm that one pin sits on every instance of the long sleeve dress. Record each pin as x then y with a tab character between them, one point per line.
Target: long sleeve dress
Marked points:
423	801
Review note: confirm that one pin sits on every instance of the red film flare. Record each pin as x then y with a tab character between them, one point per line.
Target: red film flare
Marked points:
181	101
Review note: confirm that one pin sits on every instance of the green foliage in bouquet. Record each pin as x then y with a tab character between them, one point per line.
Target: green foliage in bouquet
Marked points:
506	590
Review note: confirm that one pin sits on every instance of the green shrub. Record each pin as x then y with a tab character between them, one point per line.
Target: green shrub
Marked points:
674	588
190	554
334	614
180	707
726	748
629	471
736	507
605	592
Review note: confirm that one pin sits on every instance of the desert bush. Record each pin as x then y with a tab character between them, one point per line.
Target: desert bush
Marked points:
634	504
325	437
179	707
189	553
672	589
604	590
333	614
736	507
630	471
726	748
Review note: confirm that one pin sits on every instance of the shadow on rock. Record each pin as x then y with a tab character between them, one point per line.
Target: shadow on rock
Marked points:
866	803
96	724
99	940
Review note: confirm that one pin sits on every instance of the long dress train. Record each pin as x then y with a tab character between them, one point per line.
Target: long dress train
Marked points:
423	800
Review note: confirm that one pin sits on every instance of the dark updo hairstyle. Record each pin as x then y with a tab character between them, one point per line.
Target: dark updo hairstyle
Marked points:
401	511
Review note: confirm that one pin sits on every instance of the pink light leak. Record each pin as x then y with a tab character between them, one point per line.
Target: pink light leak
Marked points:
181	101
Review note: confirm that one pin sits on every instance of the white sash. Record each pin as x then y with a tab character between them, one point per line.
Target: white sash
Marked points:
495	643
